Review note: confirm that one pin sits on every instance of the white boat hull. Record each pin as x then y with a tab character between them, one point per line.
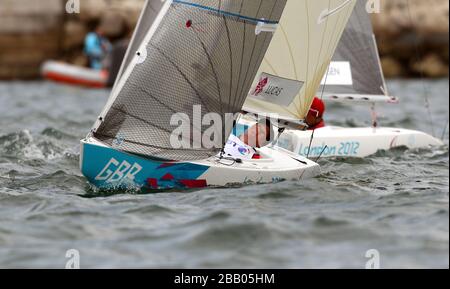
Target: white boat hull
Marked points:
107	168
353	142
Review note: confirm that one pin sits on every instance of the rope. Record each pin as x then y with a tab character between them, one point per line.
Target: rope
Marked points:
422	75
445	130
321	97
321	153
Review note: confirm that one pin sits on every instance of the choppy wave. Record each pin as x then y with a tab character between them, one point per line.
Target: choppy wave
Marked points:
22	145
395	201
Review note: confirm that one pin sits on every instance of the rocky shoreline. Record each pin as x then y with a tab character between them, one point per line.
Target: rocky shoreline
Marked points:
413	40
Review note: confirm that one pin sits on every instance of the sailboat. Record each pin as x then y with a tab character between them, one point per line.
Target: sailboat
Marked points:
194	60
354	77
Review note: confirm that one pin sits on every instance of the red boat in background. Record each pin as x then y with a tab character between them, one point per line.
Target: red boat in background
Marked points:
74	75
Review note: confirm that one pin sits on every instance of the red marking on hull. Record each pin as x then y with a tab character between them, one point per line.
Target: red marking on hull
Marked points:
75	81
166	165
167	177
152	183
257	157
194	184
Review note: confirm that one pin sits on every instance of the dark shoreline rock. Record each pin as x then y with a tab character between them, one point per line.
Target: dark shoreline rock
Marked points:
411	44
413	40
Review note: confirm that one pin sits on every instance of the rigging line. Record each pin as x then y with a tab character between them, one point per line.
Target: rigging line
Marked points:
182	74
321	97
291	54
243	97
445	130
323	40
321	153
323	88
336	10
164	105
422	75
225	13
368	61
128	53
330	45
271	67
251	55
141	119
242	54
254	70
299	107
259	59
334	44
213	70
363	61
143	144
384	89
155	146
231	58
150	4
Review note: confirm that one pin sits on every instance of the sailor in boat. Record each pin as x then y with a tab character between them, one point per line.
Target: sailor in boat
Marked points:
245	146
314	118
96	46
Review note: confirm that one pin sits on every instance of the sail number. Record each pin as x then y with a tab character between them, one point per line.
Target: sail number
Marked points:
116	171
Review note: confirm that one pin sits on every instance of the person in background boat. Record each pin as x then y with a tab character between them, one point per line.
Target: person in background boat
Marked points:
96	46
314	118
114	60
244	147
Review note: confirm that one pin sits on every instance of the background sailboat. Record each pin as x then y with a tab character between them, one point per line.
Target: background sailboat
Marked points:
192	55
355	77
355	74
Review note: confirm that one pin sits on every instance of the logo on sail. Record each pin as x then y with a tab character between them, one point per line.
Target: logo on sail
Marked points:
260	87
277	90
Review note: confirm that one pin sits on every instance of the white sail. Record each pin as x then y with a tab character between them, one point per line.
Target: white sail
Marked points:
298	57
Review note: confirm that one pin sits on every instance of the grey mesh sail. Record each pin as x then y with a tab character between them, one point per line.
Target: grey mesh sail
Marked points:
148	16
203	53
358	47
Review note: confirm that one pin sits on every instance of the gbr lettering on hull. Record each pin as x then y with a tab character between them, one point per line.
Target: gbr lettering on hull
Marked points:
115	172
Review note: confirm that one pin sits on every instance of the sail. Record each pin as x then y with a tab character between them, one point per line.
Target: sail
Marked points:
148	16
298	57
356	69
199	57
